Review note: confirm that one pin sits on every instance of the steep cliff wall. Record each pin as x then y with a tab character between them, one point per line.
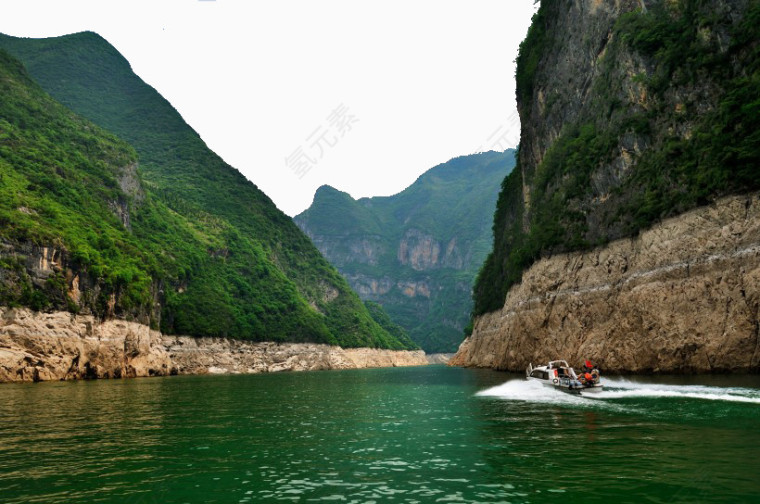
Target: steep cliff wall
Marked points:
47	278
633	112
681	297
628	116
38	346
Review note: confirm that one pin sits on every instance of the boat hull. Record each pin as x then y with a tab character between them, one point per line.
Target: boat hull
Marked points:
569	388
594	389
562	387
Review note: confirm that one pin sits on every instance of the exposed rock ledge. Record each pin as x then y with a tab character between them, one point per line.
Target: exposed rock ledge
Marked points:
681	297
439	358
59	346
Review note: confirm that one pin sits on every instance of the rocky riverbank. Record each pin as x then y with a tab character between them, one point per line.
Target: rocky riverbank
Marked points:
38	346
681	297
439	358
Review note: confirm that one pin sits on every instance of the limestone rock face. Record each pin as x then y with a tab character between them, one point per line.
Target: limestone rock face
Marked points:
61	346
217	355
681	297
439	358
51	270
419	250
58	346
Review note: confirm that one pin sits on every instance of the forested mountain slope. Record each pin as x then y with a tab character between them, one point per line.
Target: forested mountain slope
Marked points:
151	225
416	252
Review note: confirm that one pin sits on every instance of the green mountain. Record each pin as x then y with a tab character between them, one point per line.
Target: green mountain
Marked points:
417	252
631	113
181	240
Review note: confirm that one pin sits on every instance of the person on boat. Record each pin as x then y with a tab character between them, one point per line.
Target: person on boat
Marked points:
595	375
590	374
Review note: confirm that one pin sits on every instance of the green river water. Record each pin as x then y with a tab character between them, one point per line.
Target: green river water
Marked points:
403	435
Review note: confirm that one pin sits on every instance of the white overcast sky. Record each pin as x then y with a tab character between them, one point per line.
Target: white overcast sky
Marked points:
362	95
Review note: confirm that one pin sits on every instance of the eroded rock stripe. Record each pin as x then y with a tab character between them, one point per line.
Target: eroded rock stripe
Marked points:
61	346
681	297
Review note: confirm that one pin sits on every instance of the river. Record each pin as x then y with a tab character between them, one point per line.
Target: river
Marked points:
400	435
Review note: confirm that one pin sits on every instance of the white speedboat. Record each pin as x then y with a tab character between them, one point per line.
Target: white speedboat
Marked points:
559	375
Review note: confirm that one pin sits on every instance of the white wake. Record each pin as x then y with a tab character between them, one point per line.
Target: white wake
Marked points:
619	388
529	391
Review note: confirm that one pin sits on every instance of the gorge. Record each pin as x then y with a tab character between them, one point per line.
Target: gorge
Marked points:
416	252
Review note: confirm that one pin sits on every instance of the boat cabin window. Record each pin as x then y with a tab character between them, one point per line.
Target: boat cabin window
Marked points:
537	373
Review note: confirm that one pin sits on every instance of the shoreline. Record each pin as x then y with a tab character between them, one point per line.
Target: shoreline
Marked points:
682	297
59	346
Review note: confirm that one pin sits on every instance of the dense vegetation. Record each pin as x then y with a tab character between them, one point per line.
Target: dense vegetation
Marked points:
57	172
698	129
381	317
722	154
449	205
201	240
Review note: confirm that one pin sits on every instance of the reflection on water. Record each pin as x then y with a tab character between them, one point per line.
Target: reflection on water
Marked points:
412	435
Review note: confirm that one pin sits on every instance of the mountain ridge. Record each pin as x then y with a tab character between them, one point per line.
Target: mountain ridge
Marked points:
417	251
243	269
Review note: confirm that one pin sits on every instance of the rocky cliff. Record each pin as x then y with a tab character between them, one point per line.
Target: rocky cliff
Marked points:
628	115
38	346
612	239
417	252
681	297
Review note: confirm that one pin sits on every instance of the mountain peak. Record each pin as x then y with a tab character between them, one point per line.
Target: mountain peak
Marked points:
326	190
416	252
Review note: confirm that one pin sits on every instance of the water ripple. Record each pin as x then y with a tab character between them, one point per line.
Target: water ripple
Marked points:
399	436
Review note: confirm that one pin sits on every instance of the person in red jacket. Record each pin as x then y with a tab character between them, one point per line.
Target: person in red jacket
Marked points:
590	374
